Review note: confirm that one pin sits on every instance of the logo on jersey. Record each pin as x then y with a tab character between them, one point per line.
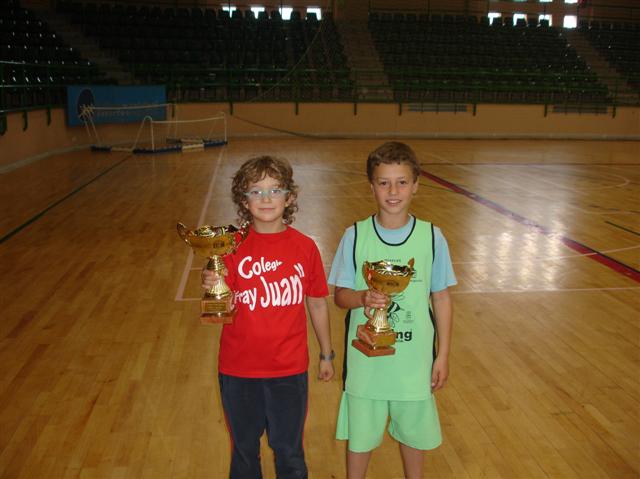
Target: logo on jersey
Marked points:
395	311
394	314
404	336
281	292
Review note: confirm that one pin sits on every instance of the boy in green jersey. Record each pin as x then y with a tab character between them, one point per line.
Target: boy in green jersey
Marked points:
399	386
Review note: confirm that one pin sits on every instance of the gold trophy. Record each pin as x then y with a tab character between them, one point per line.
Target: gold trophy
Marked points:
215	242
376	337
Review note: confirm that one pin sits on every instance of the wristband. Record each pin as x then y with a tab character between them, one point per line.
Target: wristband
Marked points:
329	357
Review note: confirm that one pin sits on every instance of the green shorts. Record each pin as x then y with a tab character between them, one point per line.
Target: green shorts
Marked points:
362	421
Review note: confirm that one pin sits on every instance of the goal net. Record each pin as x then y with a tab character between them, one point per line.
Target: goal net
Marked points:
158	128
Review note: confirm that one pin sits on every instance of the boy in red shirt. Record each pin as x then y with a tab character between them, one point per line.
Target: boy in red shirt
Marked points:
263	357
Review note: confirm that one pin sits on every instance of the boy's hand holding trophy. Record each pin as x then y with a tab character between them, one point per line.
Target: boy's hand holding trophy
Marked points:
215	242
376	337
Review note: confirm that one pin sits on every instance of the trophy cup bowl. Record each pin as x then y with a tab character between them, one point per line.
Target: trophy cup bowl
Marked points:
215	242
376	336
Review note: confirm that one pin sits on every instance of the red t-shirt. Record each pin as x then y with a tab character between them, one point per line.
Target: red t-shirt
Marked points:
270	275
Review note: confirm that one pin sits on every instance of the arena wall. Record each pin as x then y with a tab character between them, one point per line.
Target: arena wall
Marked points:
18	146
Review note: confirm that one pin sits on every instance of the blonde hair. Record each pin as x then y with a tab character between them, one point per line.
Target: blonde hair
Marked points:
256	169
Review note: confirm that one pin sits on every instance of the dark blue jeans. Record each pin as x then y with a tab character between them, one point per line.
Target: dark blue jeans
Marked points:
275	405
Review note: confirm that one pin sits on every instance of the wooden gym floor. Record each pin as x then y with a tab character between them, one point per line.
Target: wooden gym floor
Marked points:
107	373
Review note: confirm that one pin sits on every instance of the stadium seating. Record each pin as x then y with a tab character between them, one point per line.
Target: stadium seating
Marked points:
619	43
204	54
36	64
211	55
451	59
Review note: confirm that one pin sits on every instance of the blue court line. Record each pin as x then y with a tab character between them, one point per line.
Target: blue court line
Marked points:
39	215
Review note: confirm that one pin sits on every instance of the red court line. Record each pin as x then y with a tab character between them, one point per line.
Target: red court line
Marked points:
593	254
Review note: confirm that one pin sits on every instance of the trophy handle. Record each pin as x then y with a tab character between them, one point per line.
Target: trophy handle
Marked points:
183	232
240	236
370	313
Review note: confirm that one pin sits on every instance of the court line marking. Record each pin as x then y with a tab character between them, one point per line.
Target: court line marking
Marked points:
203	211
583	191
189	263
629	230
535	196
544	290
586	190
500	291
42	156
363	180
526	164
549	258
603	213
39	215
611	263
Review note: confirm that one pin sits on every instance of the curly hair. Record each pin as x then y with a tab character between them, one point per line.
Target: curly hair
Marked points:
256	169
393	152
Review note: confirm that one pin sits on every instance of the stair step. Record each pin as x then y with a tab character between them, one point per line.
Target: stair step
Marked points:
362	55
601	66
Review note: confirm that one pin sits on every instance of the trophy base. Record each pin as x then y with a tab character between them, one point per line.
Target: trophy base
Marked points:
206	318
371	343
372	351
216	311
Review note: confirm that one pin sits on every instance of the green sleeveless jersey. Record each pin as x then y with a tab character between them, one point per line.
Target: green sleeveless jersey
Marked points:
405	375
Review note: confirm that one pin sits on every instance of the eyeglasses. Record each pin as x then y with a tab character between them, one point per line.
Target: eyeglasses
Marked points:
255	195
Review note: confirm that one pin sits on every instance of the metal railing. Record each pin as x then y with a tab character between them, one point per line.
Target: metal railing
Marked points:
24	85
36	86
